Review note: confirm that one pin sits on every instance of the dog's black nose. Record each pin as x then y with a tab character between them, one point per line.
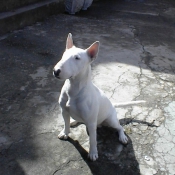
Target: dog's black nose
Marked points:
56	72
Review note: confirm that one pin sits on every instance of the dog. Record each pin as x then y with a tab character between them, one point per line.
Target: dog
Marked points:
81	99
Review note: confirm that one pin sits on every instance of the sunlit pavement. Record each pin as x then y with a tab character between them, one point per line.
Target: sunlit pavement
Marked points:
136	62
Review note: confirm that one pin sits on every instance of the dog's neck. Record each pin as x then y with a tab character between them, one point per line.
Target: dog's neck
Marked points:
77	83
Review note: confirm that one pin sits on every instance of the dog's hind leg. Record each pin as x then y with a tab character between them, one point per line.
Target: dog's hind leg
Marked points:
113	122
73	122
64	133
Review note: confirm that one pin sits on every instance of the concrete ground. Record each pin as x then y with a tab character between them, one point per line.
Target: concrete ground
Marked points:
136	62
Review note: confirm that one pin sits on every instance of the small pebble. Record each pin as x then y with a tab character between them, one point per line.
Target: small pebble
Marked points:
147	158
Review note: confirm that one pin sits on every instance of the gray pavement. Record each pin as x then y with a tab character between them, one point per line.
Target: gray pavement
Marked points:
136	62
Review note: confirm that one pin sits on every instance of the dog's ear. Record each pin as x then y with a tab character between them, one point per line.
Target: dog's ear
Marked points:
92	51
69	42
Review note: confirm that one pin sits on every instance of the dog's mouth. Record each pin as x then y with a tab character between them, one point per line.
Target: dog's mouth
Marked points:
58	77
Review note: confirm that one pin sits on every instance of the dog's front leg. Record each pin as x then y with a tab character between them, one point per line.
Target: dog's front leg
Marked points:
64	133
93	153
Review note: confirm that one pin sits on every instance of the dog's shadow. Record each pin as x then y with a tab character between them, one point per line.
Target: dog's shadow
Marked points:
114	157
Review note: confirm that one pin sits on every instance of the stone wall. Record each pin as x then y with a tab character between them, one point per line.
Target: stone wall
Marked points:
16	14
7	5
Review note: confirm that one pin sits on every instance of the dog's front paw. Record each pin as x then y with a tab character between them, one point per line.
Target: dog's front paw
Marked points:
93	156
123	138
62	135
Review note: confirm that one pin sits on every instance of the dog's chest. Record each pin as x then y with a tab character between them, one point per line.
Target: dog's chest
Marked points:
73	107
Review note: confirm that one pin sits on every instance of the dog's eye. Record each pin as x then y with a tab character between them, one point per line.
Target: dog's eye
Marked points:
77	58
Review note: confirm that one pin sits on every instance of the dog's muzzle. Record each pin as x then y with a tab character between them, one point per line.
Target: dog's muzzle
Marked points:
56	73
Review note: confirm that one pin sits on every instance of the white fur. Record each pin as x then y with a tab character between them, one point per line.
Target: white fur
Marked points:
80	98
128	103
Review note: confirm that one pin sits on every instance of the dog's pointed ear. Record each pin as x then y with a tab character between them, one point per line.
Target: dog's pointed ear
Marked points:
92	51
69	42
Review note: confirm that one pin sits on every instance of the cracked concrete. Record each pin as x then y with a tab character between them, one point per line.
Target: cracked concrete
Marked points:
136	62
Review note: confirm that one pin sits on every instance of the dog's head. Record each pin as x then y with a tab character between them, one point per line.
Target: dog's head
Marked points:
75	60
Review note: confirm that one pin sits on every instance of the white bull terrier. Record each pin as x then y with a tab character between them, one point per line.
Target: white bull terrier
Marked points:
81	99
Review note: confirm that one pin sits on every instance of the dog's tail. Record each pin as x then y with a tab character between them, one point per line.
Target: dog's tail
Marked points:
128	103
